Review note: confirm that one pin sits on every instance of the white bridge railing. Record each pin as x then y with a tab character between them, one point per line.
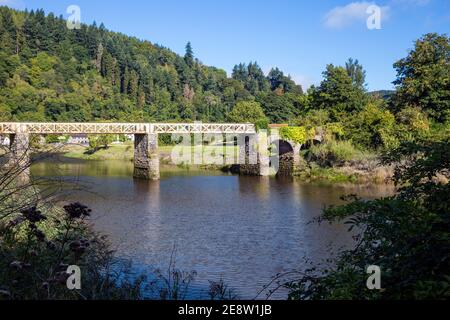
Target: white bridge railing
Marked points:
124	128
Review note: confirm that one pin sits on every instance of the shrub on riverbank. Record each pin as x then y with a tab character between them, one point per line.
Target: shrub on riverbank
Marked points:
341	161
333	153
406	235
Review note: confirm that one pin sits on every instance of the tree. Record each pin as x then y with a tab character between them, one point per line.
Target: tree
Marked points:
338	94
373	127
356	73
240	72
189	56
278	80
100	141
246	111
423	77
278	108
252	77
8	64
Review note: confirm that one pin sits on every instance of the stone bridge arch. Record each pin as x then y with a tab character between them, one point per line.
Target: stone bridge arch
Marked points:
289	157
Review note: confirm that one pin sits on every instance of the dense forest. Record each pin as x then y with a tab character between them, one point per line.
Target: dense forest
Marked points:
51	73
48	72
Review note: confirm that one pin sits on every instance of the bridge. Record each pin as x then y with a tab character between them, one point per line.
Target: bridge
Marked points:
146	157
124	128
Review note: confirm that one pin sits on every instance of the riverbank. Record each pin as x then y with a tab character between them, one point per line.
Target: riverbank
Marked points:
114	152
356	171
125	152
359	170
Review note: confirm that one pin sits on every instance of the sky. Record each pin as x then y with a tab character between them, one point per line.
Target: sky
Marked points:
300	37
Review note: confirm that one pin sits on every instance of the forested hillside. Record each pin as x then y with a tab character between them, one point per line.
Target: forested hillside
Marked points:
51	73
48	72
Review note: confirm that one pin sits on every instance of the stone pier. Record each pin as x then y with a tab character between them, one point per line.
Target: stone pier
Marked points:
19	157
254	161
297	160
289	158
146	157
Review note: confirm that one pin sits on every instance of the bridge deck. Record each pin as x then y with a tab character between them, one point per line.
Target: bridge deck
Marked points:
124	128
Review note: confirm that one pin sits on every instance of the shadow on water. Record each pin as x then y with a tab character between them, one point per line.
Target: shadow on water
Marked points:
242	229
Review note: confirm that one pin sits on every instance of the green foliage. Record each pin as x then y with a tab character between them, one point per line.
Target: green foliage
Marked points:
51	73
252	77
100	141
314	118
330	174
413	124
423	77
52	138
8	64
36	248
373	127
297	135
406	235
279	107
278	80
189	56
333	130
262	124
333	152
356	73
247	111
338	93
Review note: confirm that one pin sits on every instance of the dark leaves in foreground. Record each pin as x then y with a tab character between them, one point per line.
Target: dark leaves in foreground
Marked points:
77	210
33	215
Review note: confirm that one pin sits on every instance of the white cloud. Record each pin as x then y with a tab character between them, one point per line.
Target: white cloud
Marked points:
16	4
341	17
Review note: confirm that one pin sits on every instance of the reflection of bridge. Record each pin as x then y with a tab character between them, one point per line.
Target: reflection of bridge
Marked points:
146	157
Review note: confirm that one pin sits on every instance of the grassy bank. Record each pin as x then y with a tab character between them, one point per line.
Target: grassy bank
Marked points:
126	152
341	161
336	163
348	174
113	152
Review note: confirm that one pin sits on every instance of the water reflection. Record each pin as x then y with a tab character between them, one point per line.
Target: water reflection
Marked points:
243	229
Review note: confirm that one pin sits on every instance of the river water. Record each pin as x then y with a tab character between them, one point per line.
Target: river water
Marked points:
244	230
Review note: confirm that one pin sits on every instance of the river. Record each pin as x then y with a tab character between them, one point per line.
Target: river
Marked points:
244	230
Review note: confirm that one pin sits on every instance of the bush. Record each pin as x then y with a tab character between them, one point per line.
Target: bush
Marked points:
333	153
297	134
412	124
36	248
406	235
262	124
100	141
373	127
246	111
52	138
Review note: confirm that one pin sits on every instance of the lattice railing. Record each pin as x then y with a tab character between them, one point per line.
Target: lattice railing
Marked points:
203	128
123	128
74	128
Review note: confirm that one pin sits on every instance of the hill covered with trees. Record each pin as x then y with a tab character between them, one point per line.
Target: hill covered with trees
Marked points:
49	72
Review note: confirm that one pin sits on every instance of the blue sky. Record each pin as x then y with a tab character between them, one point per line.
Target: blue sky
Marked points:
300	37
